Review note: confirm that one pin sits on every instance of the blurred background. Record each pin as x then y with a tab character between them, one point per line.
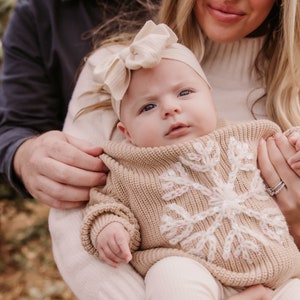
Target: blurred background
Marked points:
27	268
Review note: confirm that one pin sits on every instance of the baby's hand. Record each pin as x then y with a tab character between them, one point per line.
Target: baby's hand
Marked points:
113	244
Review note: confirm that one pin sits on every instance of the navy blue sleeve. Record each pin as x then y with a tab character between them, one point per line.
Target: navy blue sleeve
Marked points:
44	44
43	47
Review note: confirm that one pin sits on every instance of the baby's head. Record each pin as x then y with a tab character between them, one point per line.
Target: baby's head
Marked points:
158	90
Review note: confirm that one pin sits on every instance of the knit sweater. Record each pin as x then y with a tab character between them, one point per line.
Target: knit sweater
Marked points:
236	86
202	199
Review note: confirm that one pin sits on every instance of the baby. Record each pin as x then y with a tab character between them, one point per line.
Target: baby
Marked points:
184	183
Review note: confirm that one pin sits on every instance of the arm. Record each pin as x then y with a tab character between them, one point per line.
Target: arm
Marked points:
37	82
277	157
96	232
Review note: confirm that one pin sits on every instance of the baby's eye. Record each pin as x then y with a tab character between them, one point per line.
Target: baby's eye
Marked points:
148	107
184	93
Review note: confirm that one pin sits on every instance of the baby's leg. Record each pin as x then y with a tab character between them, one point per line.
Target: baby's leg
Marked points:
288	291
180	278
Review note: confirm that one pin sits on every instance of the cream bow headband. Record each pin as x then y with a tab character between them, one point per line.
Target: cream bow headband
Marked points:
151	44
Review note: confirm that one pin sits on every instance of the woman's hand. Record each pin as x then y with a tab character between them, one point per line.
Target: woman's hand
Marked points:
294	159
256	292
274	158
58	169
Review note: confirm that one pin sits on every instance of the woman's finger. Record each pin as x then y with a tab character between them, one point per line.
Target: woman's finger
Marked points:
266	167
286	199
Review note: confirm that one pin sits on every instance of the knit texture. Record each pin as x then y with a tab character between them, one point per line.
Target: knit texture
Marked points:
236	84
203	199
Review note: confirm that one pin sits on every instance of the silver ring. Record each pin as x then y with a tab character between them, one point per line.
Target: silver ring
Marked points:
272	191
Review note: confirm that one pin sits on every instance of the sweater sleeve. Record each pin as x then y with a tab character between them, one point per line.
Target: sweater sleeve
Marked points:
42	48
22	88
101	211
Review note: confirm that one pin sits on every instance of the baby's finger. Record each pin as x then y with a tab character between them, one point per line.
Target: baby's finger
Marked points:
120	246
110	254
103	256
125	250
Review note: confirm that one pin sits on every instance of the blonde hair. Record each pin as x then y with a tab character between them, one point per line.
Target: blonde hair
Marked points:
278	62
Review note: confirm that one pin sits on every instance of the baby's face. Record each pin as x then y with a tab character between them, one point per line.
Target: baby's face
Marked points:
167	104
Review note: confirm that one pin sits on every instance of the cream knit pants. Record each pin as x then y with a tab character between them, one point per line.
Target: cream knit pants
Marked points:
180	278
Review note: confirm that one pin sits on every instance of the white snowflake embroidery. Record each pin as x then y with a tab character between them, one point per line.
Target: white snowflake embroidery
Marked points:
177	225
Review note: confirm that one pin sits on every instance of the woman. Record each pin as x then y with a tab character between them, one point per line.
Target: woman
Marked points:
204	24
240	46
250	52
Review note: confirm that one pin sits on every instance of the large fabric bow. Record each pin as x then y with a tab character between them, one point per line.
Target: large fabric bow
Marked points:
145	51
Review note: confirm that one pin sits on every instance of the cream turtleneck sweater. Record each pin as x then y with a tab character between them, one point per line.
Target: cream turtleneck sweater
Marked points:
235	87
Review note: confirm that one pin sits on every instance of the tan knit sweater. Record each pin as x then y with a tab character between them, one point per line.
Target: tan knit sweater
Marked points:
203	199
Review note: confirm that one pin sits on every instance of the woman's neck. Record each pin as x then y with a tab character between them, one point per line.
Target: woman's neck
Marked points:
234	80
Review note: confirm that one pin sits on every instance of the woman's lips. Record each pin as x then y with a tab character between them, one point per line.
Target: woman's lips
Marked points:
225	14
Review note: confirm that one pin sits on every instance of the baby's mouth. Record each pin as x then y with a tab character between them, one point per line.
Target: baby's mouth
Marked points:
176	128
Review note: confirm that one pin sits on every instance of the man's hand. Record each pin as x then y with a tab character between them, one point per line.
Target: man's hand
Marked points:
58	169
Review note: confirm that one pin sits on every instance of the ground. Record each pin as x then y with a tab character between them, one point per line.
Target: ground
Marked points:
27	268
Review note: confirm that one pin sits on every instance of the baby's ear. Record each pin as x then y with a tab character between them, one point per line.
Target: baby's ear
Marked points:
124	131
